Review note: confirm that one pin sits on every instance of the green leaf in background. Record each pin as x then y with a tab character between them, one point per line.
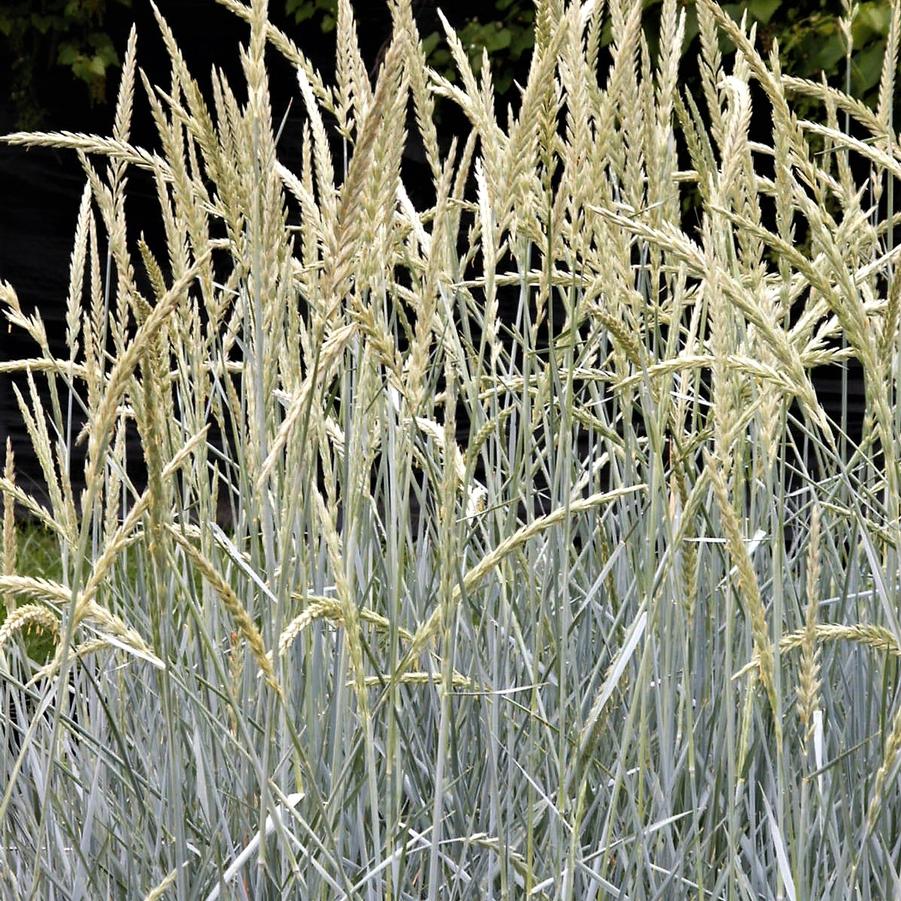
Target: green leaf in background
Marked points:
430	42
305	10
866	68
763	10
68	54
871	21
829	52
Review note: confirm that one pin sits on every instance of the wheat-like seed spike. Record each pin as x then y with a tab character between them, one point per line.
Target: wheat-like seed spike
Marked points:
105	413
35	421
86	143
11	490
885	105
91	646
417	74
808	681
232	604
891	319
747	581
332	350
855	108
115	628
31	586
23	617
711	71
235	675
427	306
158	892
876	637
125	96
889	758
321	607
8	534
40	364
85	609
288	49
77	262
354	92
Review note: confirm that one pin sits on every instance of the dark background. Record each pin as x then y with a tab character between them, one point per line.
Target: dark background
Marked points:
59	70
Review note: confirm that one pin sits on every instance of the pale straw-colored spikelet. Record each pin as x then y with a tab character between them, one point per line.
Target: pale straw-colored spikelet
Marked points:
288	49
747	717
26	617
622	336
92	646
349	610
711	71
890	321
688	549
380	190
876	637
66	140
123	370
353	93
158	892
197	118
707	266
735	143
77	263
244	623
86	612
123	535
419	355
417	75
13	493
125	95
859	111
113	499
70	371
332	350
579	125
235	675
35	420
8	551
529	146
475	103
322	156
747	582
723	325
31	586
547	14
321	607
890	755
379	338
113	627
808	677
318	607
886	103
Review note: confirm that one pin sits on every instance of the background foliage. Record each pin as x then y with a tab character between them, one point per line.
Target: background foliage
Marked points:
83	39
68	35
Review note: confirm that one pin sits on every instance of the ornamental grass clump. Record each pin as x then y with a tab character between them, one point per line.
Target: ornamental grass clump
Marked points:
495	547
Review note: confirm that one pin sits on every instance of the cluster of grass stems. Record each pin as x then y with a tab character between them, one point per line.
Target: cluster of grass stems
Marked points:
498	548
